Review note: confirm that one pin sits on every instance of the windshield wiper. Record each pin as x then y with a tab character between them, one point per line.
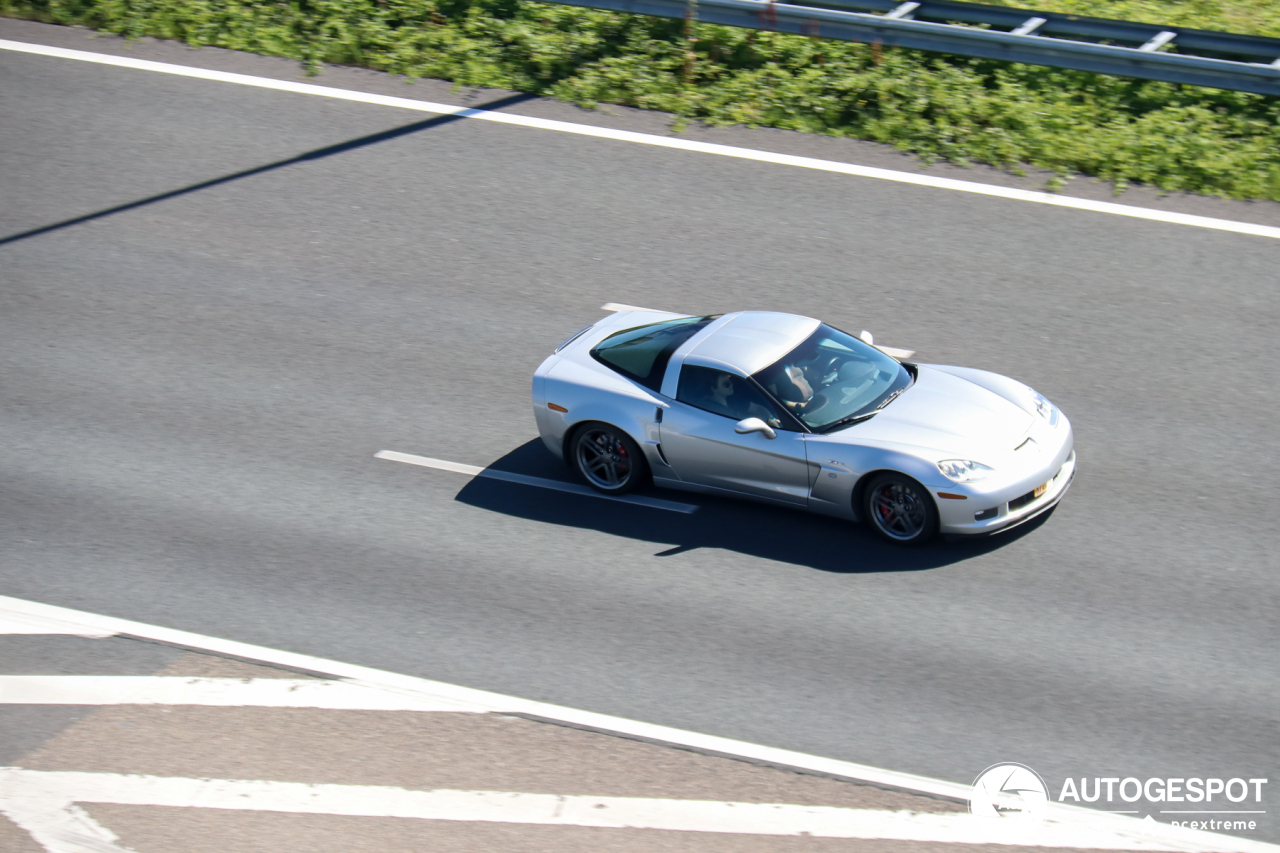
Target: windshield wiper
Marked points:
887	400
852	419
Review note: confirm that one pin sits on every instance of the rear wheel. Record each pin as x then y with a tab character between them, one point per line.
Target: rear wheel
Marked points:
608	459
900	509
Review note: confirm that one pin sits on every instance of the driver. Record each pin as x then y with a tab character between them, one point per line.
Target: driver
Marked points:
725	387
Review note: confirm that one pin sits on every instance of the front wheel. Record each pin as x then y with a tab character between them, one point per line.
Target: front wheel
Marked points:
607	459
900	509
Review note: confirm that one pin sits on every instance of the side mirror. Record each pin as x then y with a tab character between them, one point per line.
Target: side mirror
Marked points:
754	425
866	338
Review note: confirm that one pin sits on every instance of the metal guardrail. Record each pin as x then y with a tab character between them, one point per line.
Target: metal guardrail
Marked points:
1203	58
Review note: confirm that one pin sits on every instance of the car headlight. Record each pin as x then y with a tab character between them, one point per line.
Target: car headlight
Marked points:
964	470
1047	410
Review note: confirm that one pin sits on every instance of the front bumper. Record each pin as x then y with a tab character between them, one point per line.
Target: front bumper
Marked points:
957	521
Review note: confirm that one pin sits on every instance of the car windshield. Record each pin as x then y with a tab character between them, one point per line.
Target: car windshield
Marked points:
642	353
832	378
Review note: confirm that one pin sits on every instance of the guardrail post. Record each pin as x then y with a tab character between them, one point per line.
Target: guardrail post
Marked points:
690	22
769	15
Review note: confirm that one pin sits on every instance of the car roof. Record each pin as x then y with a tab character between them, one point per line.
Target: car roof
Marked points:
750	341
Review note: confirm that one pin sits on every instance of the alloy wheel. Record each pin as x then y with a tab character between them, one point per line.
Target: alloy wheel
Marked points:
604	460
898	511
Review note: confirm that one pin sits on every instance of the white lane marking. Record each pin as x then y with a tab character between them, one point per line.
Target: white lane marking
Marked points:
498	703
428	462
55	823
494	702
55	791
14	623
650	139
619	306
526	480
224	692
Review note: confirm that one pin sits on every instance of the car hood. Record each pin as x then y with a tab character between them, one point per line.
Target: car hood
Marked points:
946	414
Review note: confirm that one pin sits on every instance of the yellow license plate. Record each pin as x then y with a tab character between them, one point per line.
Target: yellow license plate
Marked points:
1040	490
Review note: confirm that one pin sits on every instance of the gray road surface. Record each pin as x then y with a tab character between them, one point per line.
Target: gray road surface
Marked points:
193	391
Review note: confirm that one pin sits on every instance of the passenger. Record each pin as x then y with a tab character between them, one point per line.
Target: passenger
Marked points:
792	388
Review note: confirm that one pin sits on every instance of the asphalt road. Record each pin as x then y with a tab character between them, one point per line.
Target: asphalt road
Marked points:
193	391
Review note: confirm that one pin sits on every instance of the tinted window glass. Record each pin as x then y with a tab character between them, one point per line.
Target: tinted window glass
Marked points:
642	353
832	377
725	394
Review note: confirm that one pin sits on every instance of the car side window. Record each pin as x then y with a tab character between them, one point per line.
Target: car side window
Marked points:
642	353
730	396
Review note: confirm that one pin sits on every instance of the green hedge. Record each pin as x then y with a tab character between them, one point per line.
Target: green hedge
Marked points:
941	107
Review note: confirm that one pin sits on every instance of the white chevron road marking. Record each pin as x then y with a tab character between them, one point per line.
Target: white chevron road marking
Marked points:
30	623
1154	835
225	692
43	803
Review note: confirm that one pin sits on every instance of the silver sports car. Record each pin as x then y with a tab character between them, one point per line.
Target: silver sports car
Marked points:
786	409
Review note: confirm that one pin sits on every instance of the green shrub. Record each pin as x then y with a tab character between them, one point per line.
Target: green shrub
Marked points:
940	107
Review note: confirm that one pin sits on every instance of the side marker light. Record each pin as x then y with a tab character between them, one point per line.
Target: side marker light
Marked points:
553	407
952	497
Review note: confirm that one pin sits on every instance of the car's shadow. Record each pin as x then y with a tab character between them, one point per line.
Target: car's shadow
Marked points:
757	530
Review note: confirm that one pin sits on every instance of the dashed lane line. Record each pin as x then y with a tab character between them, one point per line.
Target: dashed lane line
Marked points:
651	139
526	480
